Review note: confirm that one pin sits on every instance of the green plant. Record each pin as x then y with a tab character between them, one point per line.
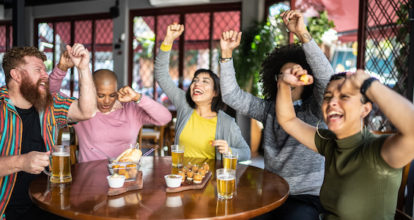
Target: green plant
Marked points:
318	25
257	42
260	39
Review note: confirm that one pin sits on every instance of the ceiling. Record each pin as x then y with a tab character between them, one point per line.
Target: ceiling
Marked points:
9	3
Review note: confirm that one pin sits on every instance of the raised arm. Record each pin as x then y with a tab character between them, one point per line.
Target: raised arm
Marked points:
398	149
321	67
285	111
161	68
59	72
231	93
153	112
85	107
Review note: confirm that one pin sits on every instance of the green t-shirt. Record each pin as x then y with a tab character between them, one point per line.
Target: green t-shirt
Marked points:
358	183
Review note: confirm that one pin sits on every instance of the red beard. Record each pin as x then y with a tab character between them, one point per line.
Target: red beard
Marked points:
30	91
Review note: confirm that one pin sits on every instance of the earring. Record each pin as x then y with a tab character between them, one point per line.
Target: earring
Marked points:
317	131
362	126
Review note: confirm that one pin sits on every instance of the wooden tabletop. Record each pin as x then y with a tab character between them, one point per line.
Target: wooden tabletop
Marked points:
258	191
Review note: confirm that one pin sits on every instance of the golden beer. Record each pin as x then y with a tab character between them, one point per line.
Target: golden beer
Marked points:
224	207
230	161
226	186
177	158
61	168
61	195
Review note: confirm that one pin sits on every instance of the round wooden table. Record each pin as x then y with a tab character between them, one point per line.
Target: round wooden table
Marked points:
258	191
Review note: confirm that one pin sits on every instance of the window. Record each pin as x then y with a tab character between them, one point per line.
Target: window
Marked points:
203	28
6	37
93	31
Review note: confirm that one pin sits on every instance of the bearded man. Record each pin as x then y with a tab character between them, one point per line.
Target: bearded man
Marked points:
29	120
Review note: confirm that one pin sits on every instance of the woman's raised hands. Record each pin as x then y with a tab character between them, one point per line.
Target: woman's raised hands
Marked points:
173	31
230	40
293	20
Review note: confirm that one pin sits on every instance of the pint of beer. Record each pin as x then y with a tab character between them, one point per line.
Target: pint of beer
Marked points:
60	165
226	183
177	154
230	160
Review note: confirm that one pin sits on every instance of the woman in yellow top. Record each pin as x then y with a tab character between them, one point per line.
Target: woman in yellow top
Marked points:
203	129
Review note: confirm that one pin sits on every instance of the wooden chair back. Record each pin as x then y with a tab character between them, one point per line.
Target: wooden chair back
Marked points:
152	133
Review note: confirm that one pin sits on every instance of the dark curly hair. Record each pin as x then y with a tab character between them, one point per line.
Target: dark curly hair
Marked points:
217	103
291	53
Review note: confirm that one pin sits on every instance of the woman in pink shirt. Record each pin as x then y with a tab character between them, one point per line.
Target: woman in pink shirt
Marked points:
118	120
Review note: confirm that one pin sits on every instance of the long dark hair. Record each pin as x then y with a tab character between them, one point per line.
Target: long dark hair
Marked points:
291	53
216	104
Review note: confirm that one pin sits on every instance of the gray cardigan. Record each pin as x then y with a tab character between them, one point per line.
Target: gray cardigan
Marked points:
302	168
226	129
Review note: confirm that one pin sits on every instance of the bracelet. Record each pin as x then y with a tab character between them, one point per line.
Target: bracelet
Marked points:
225	60
139	99
166	47
365	85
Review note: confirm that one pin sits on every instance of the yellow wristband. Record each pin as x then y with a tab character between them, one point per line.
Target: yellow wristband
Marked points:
165	47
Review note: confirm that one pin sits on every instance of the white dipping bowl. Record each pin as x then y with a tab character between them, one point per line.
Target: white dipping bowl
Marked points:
116	182
173	180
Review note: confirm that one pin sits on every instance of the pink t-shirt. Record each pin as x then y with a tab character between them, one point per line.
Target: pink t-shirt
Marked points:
112	133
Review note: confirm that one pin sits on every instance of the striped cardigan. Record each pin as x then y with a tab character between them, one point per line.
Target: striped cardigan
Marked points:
11	130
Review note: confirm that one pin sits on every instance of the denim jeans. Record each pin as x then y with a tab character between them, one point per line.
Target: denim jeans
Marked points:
296	207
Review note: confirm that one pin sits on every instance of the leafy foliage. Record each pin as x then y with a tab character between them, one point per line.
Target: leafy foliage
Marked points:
256	43
318	25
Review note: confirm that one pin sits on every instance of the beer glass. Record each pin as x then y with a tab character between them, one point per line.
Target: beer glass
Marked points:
60	165
226	183
177	154
230	160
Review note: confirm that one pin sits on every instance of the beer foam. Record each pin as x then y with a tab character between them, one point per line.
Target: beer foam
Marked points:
178	151
225	177
61	154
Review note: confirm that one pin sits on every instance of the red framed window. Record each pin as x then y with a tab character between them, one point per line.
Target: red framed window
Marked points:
197	47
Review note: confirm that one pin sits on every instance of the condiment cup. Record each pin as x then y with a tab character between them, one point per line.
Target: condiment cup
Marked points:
173	180
116	182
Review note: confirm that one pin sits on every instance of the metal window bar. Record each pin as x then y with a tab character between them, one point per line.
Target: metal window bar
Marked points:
383	46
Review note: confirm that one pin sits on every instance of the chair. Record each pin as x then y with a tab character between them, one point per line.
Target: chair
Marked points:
154	134
399	215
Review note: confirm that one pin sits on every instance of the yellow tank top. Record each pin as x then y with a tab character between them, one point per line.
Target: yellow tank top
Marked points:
197	136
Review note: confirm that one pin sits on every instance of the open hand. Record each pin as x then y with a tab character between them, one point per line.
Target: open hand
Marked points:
127	94
34	162
173	32
79	56
230	40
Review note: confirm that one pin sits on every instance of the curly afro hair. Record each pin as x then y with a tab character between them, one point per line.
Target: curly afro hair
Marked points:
291	53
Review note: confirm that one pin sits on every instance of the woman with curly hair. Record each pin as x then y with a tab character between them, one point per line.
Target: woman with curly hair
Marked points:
283	154
202	127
